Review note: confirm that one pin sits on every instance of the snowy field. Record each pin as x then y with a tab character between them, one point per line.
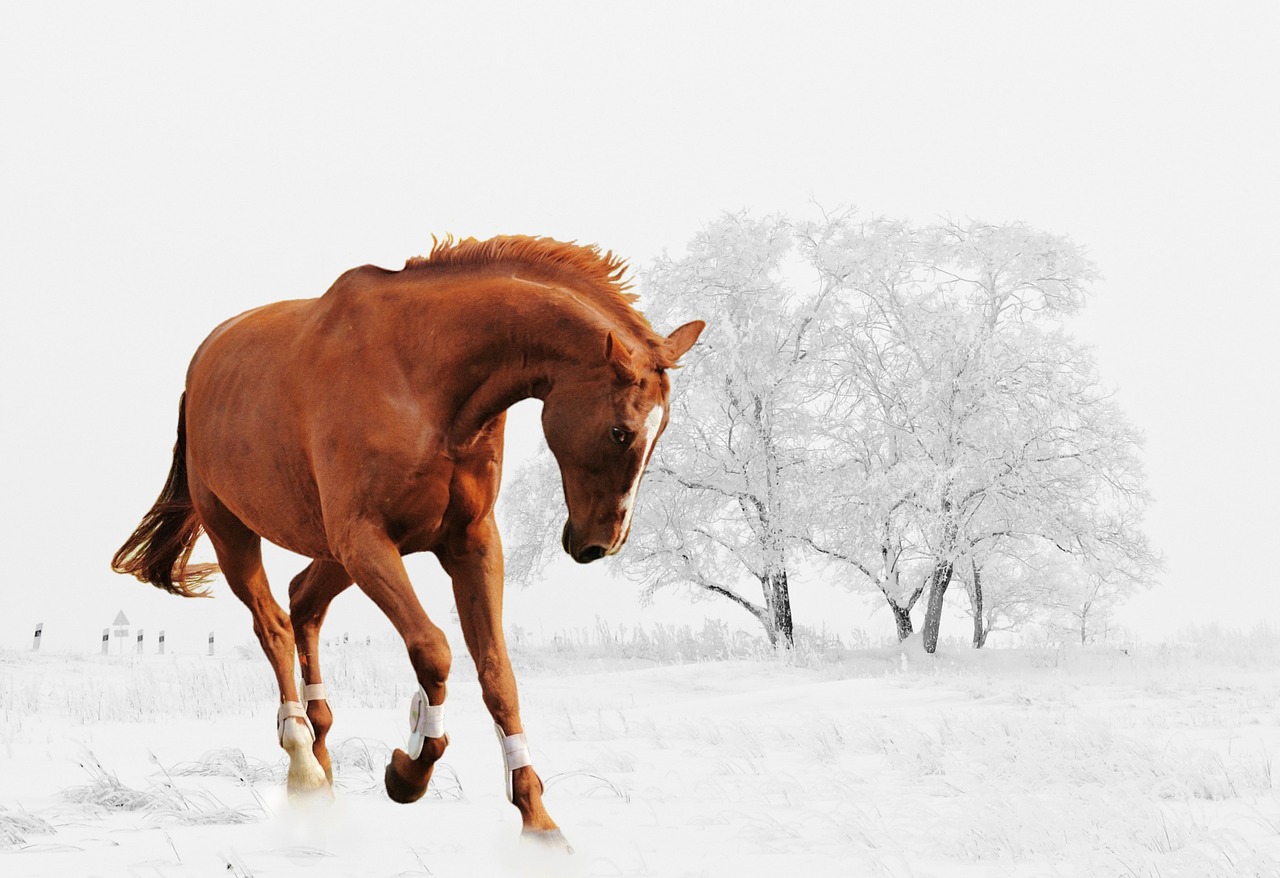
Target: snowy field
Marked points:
1157	762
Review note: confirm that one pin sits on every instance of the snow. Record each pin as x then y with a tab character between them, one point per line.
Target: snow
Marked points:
1156	761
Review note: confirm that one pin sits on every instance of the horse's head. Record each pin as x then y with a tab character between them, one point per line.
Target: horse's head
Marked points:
602	423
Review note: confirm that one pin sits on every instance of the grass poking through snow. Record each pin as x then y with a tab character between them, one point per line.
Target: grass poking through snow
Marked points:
1151	763
15	826
160	801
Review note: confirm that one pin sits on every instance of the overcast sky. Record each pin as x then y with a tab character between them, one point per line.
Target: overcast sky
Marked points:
166	166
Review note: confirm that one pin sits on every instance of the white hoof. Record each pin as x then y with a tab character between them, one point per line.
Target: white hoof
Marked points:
305	773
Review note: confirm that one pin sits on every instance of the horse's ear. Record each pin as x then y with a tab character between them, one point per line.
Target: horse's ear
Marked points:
679	342
620	359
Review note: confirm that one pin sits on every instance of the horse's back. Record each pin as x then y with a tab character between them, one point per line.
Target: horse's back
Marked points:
302	406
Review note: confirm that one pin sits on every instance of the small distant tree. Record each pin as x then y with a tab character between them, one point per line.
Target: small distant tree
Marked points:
1009	584
1104	569
531	520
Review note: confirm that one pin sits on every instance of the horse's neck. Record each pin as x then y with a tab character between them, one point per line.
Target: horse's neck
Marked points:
518	350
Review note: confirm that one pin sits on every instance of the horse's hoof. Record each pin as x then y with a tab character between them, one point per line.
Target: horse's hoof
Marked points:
399	787
307	780
311	796
306	777
550	839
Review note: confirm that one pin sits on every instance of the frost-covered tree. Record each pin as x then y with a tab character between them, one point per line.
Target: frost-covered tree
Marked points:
865	483
972	418
714	511
903	400
724	492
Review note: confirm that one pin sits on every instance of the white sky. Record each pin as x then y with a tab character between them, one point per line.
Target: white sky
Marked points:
165	166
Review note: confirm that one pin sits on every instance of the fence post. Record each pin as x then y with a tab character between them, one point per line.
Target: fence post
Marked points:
139	649
106	639
161	641
35	644
210	643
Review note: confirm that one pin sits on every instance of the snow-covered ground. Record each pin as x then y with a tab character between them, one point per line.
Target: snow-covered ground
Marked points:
1156	762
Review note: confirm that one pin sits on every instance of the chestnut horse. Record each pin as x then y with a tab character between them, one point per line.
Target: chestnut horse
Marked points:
367	424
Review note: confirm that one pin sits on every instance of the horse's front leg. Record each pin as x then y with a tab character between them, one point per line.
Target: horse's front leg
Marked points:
475	566
374	562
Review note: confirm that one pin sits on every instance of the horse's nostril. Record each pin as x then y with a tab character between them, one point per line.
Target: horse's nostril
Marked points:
589	554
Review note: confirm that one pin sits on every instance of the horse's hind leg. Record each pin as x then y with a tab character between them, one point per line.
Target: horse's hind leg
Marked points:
239	553
310	594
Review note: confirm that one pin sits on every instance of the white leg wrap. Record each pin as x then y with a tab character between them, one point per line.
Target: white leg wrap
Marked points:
425	721
515	754
288	709
314	692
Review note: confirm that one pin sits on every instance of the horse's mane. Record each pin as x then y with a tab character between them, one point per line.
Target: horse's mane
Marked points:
601	276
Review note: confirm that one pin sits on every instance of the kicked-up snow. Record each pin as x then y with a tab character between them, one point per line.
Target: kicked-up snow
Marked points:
1154	763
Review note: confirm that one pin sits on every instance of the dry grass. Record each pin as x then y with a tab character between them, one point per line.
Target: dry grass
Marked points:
15	826
230	762
160	801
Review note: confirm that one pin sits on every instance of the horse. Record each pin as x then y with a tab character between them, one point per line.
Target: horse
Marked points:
367	424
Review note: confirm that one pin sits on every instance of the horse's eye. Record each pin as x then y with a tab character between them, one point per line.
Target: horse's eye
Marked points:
621	436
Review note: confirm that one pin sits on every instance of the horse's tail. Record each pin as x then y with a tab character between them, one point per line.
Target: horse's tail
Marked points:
159	551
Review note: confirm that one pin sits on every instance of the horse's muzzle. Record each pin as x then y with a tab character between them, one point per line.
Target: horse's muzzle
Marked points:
584	555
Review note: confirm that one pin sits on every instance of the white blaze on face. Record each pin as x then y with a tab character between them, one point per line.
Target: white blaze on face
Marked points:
648	433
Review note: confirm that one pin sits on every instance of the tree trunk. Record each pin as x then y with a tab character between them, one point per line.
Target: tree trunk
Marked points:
938	582
777	597
1084	623
902	614
979	623
777	600
940	578
902	618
